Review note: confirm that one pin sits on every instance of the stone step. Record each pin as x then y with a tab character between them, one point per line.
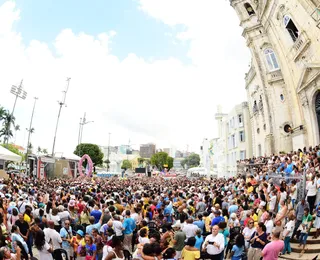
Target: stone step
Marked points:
310	248
295	256
310	240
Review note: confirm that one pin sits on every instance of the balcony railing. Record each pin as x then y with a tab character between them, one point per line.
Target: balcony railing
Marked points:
274	76
301	43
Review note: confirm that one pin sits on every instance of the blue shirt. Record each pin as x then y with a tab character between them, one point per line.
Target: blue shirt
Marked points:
96	214
129	225
199	241
233	209
217	220
90	227
237	252
66	234
200	224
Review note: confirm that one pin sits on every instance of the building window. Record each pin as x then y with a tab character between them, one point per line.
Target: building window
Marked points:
282	97
291	28
258	130
242	155
233	141
241	136
240	119
249	9
271	59
264	127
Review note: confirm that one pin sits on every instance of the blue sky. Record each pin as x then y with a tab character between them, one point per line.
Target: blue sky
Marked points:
136	31
185	58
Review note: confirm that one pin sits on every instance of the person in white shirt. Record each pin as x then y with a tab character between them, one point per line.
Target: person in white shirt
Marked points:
294	192
312	193
269	223
189	228
52	236
214	244
117	226
272	202
287	234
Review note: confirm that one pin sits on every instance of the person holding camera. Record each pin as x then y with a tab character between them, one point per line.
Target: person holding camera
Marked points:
213	245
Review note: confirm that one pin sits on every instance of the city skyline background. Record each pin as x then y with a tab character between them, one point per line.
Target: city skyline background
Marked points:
148	71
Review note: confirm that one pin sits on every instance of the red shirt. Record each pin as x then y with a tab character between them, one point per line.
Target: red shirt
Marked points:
80	207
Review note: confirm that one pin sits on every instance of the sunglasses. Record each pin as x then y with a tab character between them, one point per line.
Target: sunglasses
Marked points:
251	223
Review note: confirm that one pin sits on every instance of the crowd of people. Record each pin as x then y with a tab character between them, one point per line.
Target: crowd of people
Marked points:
250	216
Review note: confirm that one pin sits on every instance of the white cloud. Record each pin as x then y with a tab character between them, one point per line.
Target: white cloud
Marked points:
163	101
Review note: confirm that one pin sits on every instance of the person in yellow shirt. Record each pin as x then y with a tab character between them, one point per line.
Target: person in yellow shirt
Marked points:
189	252
207	221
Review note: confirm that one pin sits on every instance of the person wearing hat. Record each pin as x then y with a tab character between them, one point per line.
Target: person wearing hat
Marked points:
178	239
78	242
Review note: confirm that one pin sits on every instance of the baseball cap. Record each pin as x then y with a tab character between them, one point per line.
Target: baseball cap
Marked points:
177	224
80	233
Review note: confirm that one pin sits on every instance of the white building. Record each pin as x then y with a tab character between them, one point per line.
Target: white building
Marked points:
283	83
235	139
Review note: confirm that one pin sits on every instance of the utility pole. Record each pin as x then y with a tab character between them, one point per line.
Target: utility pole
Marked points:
80	125
19	93
29	130
84	122
61	103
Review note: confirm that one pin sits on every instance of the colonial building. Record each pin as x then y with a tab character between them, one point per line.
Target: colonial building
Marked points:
234	142
283	83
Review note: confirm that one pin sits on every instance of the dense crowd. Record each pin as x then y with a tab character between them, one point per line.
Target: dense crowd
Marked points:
245	217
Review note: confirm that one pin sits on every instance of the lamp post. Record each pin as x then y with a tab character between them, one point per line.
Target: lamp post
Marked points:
18	92
83	121
29	130
61	103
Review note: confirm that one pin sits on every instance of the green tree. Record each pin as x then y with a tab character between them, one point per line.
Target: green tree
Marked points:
193	160
29	148
6	131
39	150
92	150
16	129
160	159
126	164
170	162
45	151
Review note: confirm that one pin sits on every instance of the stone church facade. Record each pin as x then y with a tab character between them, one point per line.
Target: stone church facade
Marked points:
283	83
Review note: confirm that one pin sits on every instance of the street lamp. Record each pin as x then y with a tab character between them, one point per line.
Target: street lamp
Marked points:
19	93
61	103
83	121
30	129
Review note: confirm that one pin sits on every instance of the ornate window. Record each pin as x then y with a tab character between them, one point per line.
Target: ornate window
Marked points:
271	59
291	27
249	9
282	97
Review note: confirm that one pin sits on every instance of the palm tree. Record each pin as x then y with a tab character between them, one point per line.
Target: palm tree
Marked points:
30	147
8	120
2	112
16	128
39	150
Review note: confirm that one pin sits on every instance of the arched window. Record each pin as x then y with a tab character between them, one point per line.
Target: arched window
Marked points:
271	59
282	97
249	9
291	27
